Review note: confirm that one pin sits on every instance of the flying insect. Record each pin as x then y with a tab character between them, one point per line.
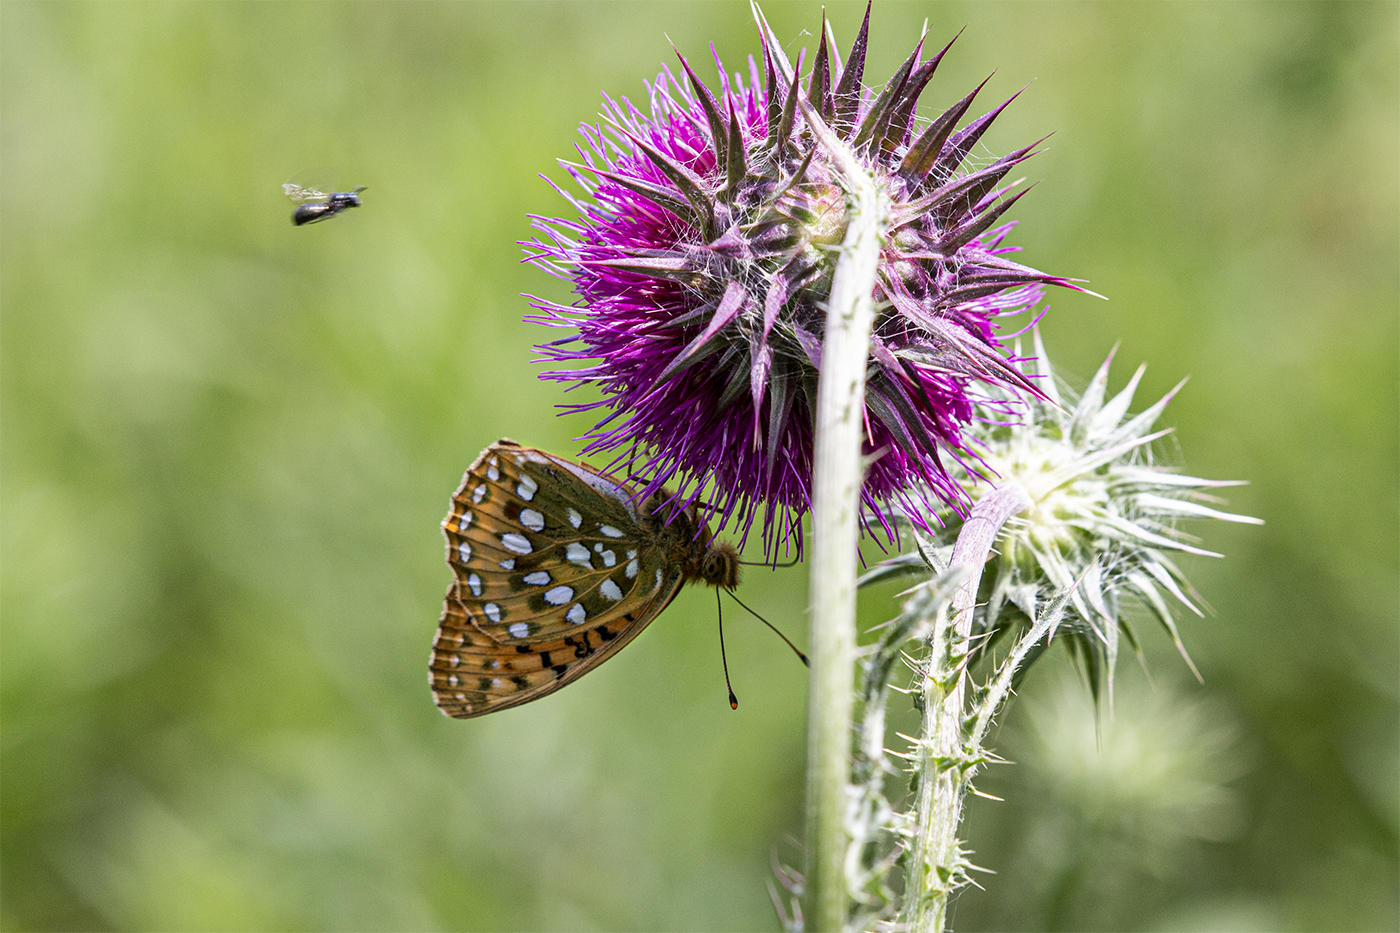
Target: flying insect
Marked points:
320	206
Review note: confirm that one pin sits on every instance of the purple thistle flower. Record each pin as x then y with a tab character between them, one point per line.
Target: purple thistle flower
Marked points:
703	254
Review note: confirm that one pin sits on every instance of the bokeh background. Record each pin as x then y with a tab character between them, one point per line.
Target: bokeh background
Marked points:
228	443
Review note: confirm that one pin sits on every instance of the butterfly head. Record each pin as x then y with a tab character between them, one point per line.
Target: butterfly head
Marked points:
720	566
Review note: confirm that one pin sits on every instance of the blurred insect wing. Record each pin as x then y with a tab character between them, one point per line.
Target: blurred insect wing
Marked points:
298	193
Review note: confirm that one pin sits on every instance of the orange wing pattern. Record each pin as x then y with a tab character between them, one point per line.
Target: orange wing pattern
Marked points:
555	572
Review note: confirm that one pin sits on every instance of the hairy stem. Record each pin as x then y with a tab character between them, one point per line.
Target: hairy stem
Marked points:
835	509
949	757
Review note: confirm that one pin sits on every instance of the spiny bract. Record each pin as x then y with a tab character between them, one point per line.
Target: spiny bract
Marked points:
1100	529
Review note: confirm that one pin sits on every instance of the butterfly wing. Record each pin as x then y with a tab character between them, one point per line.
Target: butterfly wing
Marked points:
472	674
554	574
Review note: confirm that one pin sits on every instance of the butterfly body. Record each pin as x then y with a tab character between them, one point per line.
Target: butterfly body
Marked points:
557	566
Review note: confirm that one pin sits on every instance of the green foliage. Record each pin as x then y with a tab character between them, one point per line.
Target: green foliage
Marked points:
228	443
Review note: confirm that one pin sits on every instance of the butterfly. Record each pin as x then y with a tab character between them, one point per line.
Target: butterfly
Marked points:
557	566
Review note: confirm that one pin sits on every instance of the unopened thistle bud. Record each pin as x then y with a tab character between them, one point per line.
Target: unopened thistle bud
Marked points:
1103	521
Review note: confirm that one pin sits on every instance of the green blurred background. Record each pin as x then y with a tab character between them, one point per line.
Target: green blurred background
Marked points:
228	443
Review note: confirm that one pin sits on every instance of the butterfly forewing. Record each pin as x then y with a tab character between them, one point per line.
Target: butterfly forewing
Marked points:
554	574
539	553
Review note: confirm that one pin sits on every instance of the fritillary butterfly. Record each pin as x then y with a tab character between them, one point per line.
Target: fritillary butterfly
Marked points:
557	567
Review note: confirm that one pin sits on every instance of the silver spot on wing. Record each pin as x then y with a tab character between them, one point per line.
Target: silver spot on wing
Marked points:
578	554
517	543
559	595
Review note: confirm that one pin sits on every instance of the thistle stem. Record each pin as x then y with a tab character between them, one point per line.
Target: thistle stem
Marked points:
837	480
950	756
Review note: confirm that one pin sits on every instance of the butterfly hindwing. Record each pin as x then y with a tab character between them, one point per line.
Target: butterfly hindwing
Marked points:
472	674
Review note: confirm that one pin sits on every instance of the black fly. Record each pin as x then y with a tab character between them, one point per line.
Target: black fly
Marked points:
320	206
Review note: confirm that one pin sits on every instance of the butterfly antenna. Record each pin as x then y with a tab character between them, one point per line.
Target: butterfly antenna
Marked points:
773	627
733	700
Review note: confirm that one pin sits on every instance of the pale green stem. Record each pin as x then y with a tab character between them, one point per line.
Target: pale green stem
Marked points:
1006	673
947	759
837	477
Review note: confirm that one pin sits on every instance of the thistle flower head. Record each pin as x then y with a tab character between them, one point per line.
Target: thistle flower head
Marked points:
703	253
1102	523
